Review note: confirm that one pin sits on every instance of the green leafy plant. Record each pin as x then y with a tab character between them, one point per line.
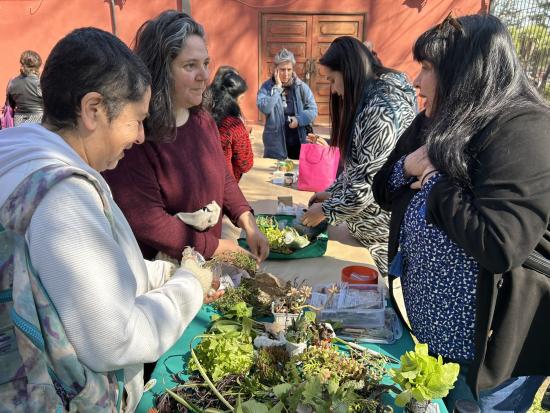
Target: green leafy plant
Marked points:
280	240
275	236
423	377
342	366
320	394
223	354
301	330
269	364
246	292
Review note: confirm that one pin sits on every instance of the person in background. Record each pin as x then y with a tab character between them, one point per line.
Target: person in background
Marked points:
24	93
227	94
289	106
106	309
370	106
175	186
468	187
207	98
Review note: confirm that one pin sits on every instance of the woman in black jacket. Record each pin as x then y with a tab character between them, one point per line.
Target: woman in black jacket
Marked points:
24	92
468	185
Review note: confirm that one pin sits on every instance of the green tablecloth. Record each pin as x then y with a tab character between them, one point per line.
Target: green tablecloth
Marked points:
174	360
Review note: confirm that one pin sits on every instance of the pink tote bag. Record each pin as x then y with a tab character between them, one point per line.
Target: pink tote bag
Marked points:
6	118
318	167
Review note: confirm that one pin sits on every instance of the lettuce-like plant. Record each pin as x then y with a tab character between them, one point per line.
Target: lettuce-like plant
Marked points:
423	377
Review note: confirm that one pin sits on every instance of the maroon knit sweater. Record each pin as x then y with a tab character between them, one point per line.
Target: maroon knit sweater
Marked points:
154	181
236	146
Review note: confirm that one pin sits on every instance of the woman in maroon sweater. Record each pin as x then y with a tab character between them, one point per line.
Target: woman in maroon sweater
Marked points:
181	166
227	93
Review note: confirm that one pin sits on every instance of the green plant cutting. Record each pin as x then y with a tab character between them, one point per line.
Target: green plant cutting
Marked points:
280	240
423	377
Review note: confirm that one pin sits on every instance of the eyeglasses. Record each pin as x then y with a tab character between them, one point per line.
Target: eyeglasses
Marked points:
450	20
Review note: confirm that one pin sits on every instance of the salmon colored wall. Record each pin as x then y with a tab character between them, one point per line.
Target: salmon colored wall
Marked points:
39	24
232	26
233	29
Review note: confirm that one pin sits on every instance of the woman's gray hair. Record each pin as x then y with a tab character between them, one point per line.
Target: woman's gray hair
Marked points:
284	55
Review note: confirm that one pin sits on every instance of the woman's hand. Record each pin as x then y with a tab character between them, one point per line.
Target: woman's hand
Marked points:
417	162
278	82
227	245
215	292
312	138
318	197
257	242
293	122
313	216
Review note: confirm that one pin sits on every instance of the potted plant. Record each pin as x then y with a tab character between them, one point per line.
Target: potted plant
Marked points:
422	378
289	306
299	333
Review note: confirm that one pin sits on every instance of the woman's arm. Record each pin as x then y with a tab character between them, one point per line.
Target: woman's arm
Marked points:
90	281
407	143
374	138
256	240
227	145
234	202
309	110
268	97
500	220
242	157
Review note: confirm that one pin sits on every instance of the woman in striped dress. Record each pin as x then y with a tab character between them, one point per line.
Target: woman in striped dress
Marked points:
370	106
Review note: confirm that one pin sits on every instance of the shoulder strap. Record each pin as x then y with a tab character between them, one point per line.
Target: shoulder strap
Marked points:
17	211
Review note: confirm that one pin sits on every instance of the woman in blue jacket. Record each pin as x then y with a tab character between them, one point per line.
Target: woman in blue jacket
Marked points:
289	106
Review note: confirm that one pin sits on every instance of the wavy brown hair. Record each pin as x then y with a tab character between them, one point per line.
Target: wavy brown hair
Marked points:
158	42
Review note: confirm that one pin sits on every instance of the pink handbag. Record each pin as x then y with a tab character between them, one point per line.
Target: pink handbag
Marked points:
318	166
6	118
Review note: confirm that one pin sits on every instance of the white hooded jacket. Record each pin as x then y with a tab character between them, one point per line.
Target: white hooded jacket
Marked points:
118	310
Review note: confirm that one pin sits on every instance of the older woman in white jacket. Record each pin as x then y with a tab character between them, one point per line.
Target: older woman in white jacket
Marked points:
117	310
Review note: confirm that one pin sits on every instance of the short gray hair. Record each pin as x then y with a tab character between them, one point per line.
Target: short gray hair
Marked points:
284	55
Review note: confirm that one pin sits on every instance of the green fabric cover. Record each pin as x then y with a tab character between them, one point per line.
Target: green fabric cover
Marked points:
173	362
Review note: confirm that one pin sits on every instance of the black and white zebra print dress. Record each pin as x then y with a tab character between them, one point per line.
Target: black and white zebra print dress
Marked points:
388	112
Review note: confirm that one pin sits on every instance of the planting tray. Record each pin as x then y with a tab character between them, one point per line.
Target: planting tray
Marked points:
316	248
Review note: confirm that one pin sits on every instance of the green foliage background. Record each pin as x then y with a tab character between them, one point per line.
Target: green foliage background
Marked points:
529	25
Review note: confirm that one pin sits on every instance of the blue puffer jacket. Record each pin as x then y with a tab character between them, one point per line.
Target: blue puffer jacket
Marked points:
270	103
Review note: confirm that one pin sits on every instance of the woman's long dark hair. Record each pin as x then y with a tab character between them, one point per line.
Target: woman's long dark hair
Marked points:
158	42
224	96
359	68
208	97
479	78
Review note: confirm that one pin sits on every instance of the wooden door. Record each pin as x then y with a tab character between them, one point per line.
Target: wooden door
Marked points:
308	36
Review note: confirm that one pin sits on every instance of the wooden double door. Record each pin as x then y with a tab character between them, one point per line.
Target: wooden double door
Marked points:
308	36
